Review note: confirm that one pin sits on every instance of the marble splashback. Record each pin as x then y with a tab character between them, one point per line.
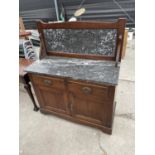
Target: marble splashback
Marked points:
81	41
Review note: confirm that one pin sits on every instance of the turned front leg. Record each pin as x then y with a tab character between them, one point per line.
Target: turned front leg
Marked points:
27	86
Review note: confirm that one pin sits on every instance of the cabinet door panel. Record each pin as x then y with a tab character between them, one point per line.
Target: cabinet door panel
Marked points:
84	108
52	99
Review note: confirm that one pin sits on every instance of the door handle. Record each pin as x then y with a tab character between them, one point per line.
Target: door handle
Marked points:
47	82
86	90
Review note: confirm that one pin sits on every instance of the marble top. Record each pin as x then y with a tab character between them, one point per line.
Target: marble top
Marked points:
97	71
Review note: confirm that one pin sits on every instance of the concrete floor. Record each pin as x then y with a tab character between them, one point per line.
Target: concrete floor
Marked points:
41	134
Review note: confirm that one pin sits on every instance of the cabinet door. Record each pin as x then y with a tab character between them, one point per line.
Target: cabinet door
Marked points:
83	108
90	102
50	92
51	99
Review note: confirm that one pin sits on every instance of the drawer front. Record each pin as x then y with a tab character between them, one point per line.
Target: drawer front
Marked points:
48	81
90	91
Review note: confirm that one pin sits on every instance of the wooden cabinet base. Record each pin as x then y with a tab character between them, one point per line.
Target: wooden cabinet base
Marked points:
79	101
68	117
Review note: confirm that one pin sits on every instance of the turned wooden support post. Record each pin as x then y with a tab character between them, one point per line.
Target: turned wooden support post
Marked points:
27	86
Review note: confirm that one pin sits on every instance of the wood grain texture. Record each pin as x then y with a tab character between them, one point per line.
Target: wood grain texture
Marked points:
125	43
83	102
23	63
24	34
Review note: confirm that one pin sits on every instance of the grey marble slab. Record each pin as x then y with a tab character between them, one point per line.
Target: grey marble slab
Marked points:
81	41
78	69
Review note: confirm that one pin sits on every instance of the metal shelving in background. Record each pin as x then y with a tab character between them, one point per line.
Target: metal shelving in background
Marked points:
102	10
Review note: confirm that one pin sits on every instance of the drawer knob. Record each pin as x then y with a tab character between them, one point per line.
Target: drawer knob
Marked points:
86	90
47	82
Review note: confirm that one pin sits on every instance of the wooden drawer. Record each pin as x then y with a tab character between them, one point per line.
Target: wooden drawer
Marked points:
89	91
48	81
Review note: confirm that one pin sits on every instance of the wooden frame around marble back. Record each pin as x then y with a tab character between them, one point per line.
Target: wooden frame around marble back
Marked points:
119	25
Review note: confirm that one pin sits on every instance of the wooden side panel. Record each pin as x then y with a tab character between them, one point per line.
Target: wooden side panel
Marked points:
21	25
125	43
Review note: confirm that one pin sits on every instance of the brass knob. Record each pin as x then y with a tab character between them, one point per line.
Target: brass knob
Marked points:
47	82
87	90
